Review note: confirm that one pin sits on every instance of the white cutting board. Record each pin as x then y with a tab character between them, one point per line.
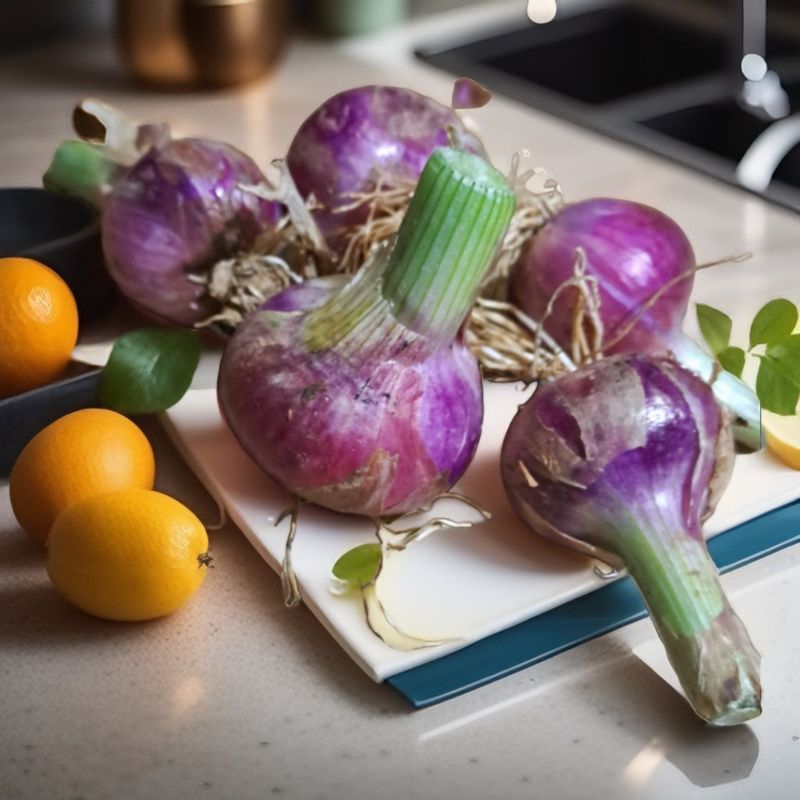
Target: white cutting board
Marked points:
461	584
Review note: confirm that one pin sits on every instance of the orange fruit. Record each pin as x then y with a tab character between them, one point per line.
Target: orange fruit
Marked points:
38	325
129	555
82	454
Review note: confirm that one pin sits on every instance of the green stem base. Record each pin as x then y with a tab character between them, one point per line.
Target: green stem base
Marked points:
706	643
718	668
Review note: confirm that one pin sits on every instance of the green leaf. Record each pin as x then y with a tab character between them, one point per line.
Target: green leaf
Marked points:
732	360
773	322
360	565
778	380
149	370
715	327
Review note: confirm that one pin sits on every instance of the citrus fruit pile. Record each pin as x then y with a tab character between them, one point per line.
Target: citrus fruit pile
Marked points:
115	548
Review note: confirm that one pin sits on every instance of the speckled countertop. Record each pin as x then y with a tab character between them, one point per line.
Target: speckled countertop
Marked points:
236	697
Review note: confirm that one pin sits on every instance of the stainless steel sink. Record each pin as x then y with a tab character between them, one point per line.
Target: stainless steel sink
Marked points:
646	75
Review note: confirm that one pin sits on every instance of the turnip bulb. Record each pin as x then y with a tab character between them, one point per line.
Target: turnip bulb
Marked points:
368	401
643	265
362	138
623	460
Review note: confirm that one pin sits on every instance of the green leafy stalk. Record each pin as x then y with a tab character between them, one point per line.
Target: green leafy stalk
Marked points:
706	643
774	322
149	370
773	342
454	224
428	281
778	380
715	327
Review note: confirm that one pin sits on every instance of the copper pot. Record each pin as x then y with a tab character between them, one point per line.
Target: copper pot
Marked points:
185	43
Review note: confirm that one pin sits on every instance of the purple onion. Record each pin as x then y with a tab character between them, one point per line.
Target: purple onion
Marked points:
370	402
360	137
622	461
644	267
632	250
179	210
169	208
375	442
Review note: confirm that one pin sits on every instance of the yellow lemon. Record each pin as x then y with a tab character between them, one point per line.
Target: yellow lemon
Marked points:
128	555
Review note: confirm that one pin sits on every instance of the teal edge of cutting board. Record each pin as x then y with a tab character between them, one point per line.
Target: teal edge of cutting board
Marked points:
579	620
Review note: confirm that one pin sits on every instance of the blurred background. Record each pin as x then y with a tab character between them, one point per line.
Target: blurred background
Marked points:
714	84
22	24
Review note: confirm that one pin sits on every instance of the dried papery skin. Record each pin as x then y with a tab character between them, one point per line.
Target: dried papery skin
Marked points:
622	460
242	284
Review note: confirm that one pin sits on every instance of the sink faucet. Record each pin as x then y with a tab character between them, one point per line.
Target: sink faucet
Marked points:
759	92
759	89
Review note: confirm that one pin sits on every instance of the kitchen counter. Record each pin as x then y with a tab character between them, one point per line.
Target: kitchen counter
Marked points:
237	697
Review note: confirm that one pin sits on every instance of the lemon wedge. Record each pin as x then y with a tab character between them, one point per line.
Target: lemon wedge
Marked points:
782	435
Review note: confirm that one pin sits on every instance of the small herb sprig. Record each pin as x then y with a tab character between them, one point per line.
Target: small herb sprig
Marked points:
773	342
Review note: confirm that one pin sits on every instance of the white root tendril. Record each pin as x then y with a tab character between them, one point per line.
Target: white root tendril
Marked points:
386	629
587	325
394	540
511	346
223	516
291	589
535	206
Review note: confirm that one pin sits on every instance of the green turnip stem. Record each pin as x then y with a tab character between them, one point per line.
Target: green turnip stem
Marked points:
731	392
706	643
453	226
81	169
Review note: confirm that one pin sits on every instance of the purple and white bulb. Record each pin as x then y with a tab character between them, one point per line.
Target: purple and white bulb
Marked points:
623	460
